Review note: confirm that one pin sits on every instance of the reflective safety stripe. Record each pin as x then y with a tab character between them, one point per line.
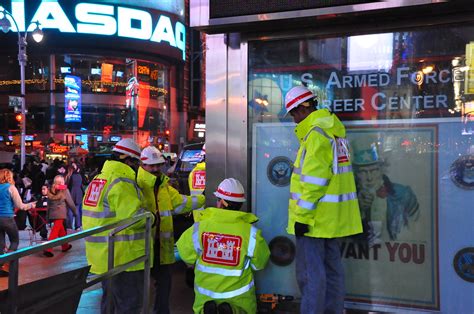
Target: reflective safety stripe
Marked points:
220	271
118	238
180	208
224	295
196	192
331	198
344	169
252	241
107	212
165	213
297	170
167	235
305	204
314	180
302	203
295	196
194	200
197	246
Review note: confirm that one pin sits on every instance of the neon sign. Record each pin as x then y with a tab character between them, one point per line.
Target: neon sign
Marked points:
107	20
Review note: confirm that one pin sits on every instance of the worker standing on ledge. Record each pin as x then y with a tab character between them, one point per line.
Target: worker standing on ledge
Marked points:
323	203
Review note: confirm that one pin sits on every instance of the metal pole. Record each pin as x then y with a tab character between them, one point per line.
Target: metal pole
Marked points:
22	58
146	269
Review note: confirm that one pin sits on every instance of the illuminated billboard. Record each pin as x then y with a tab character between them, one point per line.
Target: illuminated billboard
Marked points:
152	25
72	98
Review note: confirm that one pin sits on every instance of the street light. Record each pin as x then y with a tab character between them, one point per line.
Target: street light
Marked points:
5	25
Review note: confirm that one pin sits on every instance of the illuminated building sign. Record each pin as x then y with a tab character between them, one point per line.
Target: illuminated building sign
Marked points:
112	20
58	149
72	98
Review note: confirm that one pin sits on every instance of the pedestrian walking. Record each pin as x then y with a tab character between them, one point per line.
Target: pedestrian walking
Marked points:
9	199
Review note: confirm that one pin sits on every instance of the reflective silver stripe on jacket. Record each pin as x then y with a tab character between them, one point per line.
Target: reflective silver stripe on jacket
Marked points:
167	235
252	241
305	204
194	200
180	208
331	198
196	192
107	212
224	295
197	246
118	238
302	203
220	271
314	180
344	169
165	213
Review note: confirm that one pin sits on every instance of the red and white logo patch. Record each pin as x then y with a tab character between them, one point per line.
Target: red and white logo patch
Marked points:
221	249
94	191
342	150
199	180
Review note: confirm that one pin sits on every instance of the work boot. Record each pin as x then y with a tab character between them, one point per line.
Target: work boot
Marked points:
224	308
210	307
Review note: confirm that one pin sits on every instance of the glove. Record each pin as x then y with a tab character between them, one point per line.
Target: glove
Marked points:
300	229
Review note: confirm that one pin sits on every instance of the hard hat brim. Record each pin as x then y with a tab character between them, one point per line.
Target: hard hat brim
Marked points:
229	198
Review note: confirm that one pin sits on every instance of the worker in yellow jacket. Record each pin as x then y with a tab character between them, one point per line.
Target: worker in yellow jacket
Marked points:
113	195
323	203
225	249
197	176
165	201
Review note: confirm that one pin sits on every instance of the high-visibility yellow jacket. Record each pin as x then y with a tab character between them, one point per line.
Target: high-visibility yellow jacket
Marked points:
170	202
114	195
225	248
197	179
322	191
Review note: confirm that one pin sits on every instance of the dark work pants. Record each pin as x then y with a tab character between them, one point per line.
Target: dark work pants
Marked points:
162	277
8	227
320	275
126	293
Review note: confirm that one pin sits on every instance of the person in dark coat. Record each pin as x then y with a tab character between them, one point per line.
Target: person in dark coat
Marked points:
75	185
59	199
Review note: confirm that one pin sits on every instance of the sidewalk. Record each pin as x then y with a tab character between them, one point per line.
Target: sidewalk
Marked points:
37	266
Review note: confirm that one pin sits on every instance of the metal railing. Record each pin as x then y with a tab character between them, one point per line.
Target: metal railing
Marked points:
13	258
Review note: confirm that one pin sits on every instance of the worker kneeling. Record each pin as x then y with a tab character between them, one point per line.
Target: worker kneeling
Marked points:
225	248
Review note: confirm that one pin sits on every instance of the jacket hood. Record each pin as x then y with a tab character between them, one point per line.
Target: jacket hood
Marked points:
225	215
119	169
323	119
146	178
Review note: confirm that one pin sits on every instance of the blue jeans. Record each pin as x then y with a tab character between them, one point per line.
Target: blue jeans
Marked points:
320	275
126	293
8	227
76	218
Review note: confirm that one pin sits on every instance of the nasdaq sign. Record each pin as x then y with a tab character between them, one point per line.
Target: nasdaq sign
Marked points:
104	19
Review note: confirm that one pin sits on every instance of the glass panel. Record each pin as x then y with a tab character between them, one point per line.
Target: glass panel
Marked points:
407	101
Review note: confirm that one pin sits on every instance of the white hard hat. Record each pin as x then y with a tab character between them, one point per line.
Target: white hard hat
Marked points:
296	96
127	146
151	156
230	190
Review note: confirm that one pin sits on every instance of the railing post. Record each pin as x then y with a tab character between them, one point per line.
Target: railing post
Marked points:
13	287
146	272
110	265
